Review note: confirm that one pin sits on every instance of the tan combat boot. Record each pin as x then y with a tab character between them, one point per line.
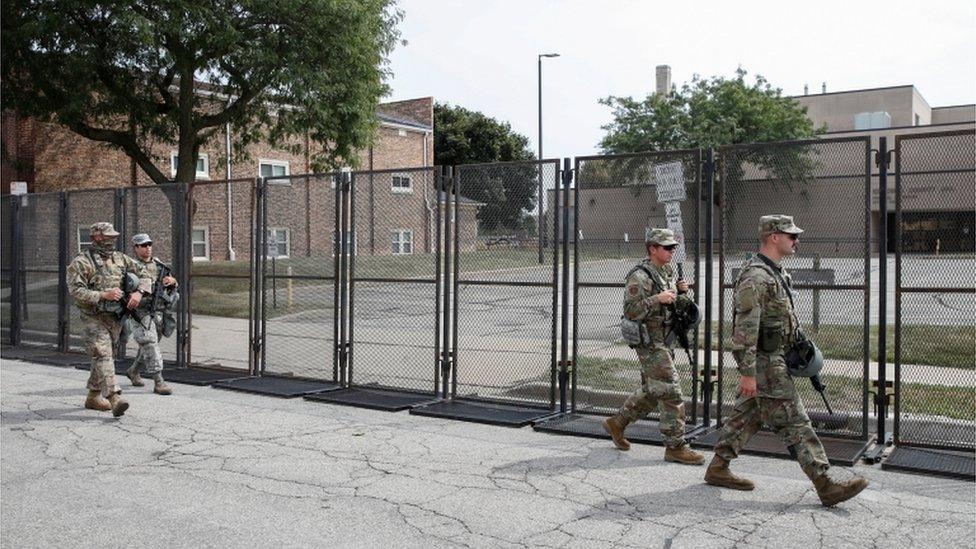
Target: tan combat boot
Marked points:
119	405
718	474
614	426
134	377
96	401
683	454
832	492
161	388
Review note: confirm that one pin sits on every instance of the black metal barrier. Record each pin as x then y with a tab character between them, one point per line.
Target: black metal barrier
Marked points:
934	227
826	185
423	288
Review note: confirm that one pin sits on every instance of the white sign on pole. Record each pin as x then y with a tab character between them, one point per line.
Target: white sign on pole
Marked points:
670	180
18	187
672	212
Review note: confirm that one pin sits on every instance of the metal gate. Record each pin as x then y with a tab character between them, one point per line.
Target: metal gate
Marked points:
219	261
825	185
503	339
394	297
934	229
615	199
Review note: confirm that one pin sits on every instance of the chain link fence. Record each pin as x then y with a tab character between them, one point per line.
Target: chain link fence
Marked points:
297	255
394	323
616	198
504	295
220	251
825	186
934	228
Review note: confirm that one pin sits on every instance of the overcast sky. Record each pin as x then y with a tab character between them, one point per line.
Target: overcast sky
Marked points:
481	54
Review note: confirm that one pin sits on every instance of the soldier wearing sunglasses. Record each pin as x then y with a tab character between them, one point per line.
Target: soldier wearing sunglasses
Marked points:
653	292
763	329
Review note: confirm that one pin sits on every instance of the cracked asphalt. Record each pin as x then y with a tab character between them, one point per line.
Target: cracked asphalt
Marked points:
210	468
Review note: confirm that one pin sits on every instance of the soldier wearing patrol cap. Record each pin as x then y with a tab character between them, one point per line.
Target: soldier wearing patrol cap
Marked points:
763	329
149	329
652	293
95	278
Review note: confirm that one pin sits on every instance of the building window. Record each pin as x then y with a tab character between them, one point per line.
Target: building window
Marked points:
354	243
84	239
279	242
918	120
274	168
402	242
401	184
203	165
200	243
872	120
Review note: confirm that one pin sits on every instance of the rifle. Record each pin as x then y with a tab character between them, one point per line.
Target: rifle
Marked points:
683	320
819	387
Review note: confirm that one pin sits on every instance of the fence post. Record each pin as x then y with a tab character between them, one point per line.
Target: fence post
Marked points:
882	160
709	287
447	179
63	332
567	181
816	296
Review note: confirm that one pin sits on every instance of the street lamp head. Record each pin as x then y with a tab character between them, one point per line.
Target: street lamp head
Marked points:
548	55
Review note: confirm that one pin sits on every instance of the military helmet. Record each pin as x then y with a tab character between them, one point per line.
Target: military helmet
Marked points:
804	359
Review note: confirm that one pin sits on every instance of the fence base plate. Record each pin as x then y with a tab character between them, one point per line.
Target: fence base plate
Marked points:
942	463
376	399
482	412
643	432
840	451
284	387
201	376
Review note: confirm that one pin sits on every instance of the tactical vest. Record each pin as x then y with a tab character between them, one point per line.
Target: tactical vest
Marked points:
777	323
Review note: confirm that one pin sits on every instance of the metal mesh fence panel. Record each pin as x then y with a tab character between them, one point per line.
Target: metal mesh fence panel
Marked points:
220	248
39	268
617	198
298	270
935	311
824	185
504	293
154	210
394	317
6	265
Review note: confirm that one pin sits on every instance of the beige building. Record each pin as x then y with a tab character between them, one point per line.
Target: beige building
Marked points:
938	205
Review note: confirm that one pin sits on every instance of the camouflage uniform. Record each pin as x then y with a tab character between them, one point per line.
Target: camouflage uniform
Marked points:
147	332
659	379
89	274
764	326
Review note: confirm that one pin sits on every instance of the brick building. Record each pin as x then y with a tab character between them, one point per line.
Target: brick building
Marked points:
394	202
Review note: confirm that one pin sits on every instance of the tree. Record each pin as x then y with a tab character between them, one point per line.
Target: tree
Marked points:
129	73
463	137
711	113
705	113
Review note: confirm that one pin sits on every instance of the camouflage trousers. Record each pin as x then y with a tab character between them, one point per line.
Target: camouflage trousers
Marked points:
101	335
659	390
146	334
788	418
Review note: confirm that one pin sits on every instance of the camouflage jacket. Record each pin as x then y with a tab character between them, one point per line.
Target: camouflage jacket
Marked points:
765	323
90	274
169	297
640	303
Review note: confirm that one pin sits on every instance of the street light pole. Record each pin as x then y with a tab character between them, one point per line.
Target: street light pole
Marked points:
540	223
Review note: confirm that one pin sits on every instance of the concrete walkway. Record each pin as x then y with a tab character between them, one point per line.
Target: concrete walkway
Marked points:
210	468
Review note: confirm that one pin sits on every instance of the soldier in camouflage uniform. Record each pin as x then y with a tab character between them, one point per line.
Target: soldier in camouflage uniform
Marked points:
93	281
764	327
148	331
651	294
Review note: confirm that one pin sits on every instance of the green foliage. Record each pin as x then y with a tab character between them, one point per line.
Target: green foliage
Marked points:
461	137
124	72
707	112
